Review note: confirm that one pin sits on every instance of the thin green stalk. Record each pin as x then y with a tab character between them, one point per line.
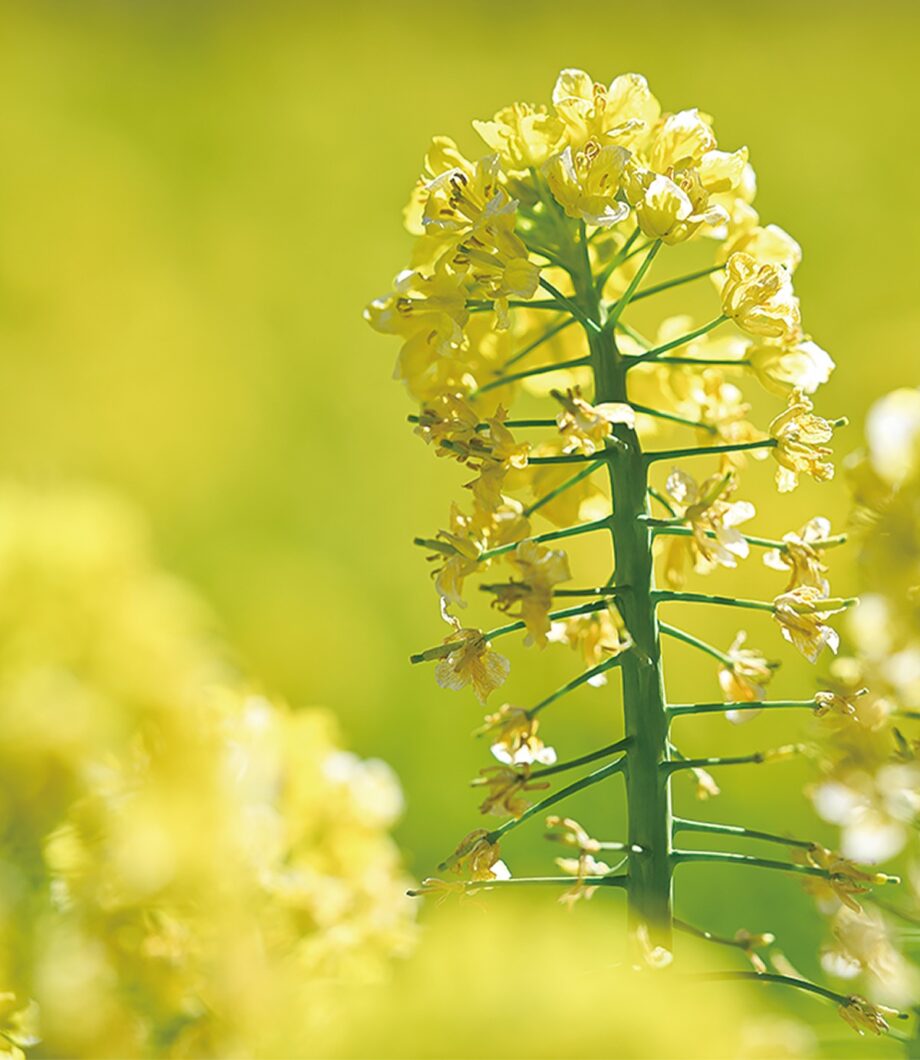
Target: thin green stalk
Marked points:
678	281
529	881
640	340
673	418
485	305
615	262
577	682
707	450
680	709
686	857
757	758
705	362
503	380
549	535
609	770
572	307
694	642
682	824
771	977
669	595
615	311
574	763
677	528
538	342
662	500
683	340
560	489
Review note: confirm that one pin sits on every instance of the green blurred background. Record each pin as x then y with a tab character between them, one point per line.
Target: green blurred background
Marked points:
199	198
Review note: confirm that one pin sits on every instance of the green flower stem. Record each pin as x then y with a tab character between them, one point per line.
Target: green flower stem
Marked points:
609	770
681	824
440	651
681	857
615	262
529	881
677	528
694	642
649	889
513	424
576	310
603	590
570	458
550	535
485	305
708	936
667	595
707	450
569	482
640	340
666	285
615	311
537	343
679	709
703	362
670	416
574	763
683	340
577	682
663	501
771	977
757	758
503	380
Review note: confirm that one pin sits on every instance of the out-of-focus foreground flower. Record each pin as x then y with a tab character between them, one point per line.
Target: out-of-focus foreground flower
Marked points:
186	867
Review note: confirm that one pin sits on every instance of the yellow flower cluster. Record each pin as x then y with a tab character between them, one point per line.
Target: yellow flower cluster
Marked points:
187	864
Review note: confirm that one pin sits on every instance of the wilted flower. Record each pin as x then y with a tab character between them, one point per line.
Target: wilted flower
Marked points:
479	858
505	787
471	662
796	364
743	678
862	1015
517	742
800	449
585	428
541	569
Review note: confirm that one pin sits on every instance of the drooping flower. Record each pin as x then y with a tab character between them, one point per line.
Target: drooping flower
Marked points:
598	636
505	790
758	296
801	556
471	661
839	704
843	880
802	614
800	448
570	833
480	858
714	541
541	569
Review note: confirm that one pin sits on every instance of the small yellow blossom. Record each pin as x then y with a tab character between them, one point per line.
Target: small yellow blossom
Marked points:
495	452
458	551
841	704
706	786
447	418
505	786
524	136
800	449
671	208
795	364
586	183
715	542
623	113
863	1015
517	742
844	880
586	427
479	858
767	243
802	614
430	306
759	298
471	662
19	1026
570	833
801	556
743	679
